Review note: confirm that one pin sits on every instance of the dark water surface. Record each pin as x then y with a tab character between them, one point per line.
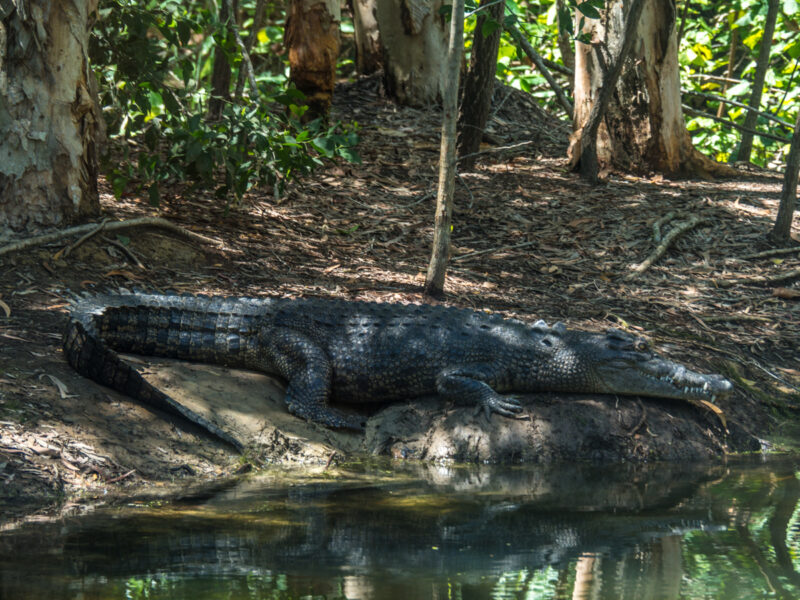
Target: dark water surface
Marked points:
423	531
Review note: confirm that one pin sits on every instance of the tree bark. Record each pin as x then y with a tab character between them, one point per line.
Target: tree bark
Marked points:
48	115
221	72
434	281
587	136
414	38
367	36
564	41
479	84
312	38
781	233
762	64
644	129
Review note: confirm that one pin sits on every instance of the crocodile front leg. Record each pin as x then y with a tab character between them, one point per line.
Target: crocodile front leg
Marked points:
309	373
473	383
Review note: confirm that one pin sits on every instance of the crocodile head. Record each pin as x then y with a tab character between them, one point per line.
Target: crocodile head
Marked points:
620	363
625	364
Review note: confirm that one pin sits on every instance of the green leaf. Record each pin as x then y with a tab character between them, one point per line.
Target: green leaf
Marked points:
489	27
350	155
565	22
589	10
740	89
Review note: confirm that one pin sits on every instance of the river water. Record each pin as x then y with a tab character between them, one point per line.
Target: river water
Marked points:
403	531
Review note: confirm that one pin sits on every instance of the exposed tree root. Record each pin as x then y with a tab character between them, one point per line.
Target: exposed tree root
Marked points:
662	247
92	228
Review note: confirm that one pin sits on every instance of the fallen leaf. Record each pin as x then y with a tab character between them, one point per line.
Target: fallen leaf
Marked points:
62	389
717	411
786	293
777	261
332	268
122	273
6	308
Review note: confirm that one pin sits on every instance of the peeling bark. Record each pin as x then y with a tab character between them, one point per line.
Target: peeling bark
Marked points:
49	121
414	37
312	38
644	129
368	37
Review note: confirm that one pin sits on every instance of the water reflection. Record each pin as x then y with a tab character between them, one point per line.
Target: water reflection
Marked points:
425	531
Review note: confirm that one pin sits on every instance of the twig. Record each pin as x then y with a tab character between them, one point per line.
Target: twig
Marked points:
65	252
121	477
139	222
775	252
498	249
466	187
245	54
700	113
498	149
330	460
642	419
125	250
662	221
724	283
716	98
662	247
516	34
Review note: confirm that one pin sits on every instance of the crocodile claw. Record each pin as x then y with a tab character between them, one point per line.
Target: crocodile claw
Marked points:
508	406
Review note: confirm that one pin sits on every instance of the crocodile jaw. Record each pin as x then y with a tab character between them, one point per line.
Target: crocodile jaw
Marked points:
661	378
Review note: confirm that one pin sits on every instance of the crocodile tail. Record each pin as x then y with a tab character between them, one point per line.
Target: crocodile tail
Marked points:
92	358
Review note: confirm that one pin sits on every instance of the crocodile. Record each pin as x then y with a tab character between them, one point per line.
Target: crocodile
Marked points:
357	353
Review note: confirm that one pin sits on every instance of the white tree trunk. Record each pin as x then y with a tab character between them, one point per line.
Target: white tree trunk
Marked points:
48	117
414	37
643	129
368	38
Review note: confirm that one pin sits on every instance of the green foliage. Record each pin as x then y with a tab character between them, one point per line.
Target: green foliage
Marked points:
703	55
153	61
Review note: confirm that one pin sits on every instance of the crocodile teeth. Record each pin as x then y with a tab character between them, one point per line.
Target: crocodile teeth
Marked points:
705	386
713	398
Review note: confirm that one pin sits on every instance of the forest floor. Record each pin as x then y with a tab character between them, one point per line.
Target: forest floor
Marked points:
530	240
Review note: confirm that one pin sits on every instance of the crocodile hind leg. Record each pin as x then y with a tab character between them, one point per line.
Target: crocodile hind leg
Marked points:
308	369
473	383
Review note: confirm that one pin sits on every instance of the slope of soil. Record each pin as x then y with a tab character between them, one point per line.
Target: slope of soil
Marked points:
530	241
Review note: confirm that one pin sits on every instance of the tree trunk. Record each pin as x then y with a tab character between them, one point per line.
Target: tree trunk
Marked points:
312	38
414	38
221	72
783	223
48	116
644	129
762	64
584	142
479	84
564	41
731	64
434	281
367	35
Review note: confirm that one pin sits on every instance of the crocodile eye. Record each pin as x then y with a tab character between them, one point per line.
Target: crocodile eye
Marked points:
640	345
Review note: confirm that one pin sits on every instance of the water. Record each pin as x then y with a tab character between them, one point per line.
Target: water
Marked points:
390	532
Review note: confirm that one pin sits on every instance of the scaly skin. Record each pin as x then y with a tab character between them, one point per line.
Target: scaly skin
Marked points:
361	352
